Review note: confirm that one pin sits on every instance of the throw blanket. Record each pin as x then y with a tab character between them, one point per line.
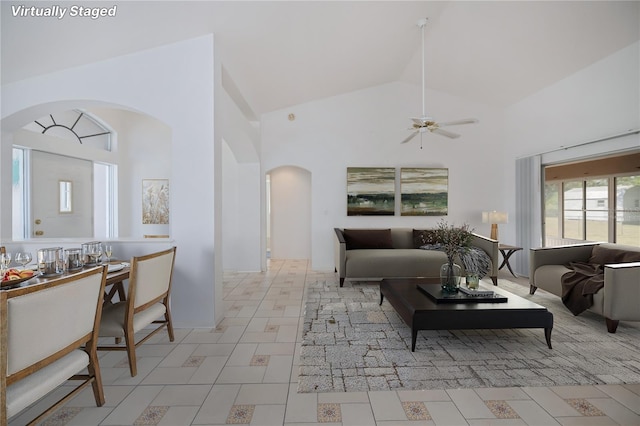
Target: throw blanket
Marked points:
474	259
579	285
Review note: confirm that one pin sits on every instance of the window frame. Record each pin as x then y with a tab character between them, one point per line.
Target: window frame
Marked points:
612	210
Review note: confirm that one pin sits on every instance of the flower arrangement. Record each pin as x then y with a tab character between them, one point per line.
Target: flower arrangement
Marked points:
453	240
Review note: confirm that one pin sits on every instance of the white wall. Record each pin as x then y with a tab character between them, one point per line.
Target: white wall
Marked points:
159	82
144	152
242	248
364	128
599	101
241	213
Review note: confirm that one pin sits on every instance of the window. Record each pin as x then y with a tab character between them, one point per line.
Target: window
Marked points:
75	126
65	195
20	198
602	209
593	200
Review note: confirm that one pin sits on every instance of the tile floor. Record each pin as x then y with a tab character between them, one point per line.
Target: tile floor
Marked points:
245	372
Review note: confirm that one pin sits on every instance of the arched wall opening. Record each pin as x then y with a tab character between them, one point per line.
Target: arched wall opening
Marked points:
189	77
140	149
289	213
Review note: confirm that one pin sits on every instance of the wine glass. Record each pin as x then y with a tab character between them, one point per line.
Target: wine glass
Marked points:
5	258
23	258
94	253
108	250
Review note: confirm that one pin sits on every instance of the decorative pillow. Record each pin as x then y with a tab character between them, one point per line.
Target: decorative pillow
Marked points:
423	237
603	255
368	238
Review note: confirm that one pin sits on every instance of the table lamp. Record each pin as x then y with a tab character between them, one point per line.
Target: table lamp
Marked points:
494	218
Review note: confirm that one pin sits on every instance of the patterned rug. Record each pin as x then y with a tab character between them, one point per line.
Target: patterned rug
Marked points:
351	343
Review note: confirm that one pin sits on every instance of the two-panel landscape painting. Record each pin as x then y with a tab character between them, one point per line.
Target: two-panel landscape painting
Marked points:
371	191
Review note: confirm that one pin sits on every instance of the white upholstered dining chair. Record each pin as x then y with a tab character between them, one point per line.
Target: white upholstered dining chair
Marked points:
147	303
48	336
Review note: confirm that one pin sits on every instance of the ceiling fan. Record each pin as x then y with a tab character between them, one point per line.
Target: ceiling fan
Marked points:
424	123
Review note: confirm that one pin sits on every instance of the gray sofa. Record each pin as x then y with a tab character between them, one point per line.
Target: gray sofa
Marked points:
618	299
398	258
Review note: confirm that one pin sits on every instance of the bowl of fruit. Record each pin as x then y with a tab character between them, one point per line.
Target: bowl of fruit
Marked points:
15	276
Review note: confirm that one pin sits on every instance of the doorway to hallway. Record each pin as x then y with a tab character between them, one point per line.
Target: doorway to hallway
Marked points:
288	213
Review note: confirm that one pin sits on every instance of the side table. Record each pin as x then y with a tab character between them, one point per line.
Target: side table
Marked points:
507	251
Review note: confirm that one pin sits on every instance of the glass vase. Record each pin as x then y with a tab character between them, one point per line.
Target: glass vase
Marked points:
450	274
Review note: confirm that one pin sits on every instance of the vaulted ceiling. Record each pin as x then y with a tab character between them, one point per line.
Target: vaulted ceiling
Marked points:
281	53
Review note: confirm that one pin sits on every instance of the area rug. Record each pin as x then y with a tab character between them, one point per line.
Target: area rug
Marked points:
351	343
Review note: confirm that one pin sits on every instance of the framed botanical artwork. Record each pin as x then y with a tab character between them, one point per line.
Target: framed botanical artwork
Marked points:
371	191
155	201
424	191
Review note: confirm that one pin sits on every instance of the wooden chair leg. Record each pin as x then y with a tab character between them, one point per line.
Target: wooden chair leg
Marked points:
94	370
131	353
167	317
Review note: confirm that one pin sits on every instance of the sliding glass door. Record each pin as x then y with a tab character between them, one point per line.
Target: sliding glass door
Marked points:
600	209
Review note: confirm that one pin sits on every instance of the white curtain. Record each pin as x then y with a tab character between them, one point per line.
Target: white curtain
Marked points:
528	209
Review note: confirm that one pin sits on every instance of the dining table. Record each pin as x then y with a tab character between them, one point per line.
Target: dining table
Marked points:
120	272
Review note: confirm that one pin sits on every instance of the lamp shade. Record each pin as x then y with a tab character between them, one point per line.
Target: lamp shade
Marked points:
495	217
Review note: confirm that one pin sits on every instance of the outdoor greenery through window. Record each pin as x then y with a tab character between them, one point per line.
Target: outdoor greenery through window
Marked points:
599	209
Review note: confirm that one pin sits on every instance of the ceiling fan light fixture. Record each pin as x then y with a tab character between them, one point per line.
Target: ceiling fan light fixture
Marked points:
424	123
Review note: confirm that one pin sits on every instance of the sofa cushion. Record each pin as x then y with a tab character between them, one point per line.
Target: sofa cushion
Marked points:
368	239
550	277
392	263
422	237
604	255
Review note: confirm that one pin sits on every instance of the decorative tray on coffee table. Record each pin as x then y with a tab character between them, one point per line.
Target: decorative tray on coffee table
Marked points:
434	291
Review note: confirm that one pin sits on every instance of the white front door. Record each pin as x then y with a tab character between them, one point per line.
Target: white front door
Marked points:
73	215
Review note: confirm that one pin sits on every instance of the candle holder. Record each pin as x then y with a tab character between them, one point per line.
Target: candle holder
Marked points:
73	259
50	261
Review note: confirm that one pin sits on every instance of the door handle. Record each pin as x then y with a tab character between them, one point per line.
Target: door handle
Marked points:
38	221
39	233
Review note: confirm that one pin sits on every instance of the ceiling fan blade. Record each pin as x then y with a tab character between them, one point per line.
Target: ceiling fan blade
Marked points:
445	133
457	122
411	136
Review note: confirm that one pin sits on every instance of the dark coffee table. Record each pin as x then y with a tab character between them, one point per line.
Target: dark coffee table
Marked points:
421	312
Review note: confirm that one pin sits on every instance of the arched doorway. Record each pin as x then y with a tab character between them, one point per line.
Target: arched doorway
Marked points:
289	213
